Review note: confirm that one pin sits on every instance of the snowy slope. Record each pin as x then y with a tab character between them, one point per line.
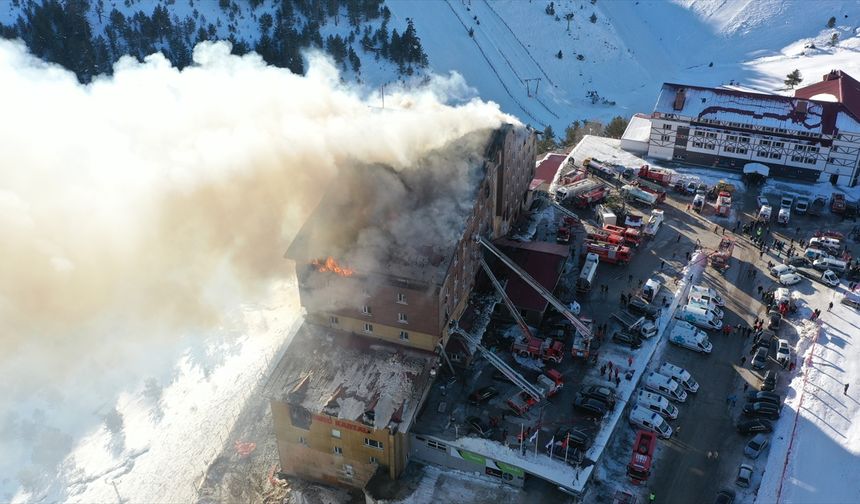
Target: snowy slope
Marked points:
816	446
631	49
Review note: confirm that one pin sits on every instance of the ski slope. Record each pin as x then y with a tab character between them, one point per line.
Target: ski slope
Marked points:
631	49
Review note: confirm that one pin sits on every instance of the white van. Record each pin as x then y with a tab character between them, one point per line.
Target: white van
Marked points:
646	419
784	216
764	213
831	245
662	384
687	336
698	301
707	293
657	403
699	317
681	375
813	253
826	263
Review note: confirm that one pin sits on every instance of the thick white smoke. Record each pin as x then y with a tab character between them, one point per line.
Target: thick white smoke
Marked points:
135	209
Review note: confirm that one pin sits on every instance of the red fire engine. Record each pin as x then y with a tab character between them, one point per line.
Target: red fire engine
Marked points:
658	175
612	254
631	236
639	467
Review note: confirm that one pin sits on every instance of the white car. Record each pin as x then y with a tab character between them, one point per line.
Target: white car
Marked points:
745	475
830	278
790	279
783	353
782	269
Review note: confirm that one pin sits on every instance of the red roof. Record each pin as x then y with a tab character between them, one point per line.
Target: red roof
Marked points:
839	84
548	167
543	261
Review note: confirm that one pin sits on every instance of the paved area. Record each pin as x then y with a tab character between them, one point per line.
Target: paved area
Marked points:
683	472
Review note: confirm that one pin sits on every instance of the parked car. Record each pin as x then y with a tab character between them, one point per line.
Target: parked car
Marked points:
764	397
754	426
774	318
578	438
769	381
762	201
798	261
745	475
604	394
759	360
627	339
790	279
755	446
782	269
483	395
761	409
802	205
765	340
589	405
783	352
477	426
639	306
725	497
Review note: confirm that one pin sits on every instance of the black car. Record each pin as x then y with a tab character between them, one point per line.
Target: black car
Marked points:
578	438
755	426
590	406
799	260
769	381
725	497
483	395
764	397
627	339
759	361
639	306
604	394
774	319
478	427
761	409
764	341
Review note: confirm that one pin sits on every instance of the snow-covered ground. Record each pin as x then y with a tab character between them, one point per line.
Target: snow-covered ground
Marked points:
630	49
815	452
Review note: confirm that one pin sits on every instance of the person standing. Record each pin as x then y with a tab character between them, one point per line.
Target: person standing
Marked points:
830	306
845	390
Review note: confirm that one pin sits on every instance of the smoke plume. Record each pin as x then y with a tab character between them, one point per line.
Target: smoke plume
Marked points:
135	209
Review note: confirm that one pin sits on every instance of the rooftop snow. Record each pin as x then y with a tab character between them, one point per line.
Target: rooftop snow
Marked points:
638	129
773	111
343	375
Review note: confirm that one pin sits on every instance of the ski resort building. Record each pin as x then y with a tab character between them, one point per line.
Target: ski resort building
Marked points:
812	136
346	392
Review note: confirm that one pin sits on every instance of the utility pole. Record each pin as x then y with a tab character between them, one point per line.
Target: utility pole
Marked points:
382	94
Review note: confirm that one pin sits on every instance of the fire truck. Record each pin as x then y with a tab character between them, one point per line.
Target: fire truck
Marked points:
639	468
598	168
631	236
587	198
723	205
611	254
550	382
536	348
603	236
521	402
562	235
721	257
581	193
658	175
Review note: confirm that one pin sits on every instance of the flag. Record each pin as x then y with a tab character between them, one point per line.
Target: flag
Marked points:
551	442
534	437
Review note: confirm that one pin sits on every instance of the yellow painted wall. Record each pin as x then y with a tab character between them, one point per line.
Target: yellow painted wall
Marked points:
418	340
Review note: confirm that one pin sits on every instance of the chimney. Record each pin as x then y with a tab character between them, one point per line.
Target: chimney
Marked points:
833	75
680	98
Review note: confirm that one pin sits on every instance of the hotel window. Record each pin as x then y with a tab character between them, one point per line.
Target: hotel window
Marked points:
667	127
368	328
333	320
348	471
401	317
401	298
665	138
302	441
366	310
436	445
338	450
404	335
373	443
373	460
335	433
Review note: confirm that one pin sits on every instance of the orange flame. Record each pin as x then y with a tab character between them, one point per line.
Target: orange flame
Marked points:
330	265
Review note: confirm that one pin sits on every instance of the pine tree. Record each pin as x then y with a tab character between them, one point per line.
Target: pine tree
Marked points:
593	18
572	133
569	18
793	79
616	127
831	22
547	143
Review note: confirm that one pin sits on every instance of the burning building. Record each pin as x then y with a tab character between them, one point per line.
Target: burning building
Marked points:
385	261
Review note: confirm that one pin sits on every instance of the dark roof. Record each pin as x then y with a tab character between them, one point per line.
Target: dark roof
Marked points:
543	261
